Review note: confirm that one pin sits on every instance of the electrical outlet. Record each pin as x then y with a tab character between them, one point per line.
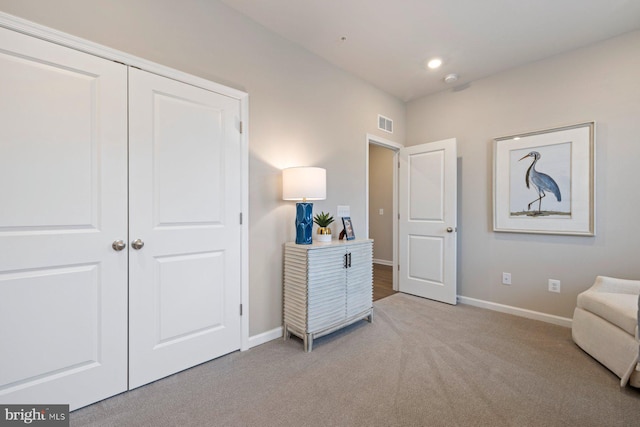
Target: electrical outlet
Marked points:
554	285
381	211
506	278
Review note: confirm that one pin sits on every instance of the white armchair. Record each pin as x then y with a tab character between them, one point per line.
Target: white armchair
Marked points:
605	325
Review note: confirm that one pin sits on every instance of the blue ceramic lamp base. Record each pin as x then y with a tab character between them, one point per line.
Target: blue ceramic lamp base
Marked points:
304	223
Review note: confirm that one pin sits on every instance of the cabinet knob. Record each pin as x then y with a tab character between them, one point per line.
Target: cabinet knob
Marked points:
118	245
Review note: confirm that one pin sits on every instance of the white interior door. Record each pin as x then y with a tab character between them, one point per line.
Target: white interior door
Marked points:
185	201
427	199
63	186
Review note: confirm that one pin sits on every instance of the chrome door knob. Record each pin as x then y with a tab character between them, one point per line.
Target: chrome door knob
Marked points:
118	245
137	244
449	230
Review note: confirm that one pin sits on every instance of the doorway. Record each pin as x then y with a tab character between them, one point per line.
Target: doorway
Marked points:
382	212
431	167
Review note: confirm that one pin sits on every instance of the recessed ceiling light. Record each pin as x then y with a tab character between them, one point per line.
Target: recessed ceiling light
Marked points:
434	63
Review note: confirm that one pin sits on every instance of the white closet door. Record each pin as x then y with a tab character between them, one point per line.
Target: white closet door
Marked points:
184	197
63	186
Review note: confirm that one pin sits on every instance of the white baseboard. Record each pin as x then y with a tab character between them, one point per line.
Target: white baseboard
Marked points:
516	311
265	337
383	262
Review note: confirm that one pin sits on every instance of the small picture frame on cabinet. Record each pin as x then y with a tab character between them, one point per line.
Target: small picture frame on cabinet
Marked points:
348	228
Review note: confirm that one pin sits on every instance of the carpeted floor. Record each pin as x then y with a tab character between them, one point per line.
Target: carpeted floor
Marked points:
420	363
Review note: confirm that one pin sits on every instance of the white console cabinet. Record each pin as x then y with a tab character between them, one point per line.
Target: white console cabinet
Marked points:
326	286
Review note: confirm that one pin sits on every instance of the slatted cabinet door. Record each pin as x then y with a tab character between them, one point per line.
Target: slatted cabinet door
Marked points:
326	297
359	279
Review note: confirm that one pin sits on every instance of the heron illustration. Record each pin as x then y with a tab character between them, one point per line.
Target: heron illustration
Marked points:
541	181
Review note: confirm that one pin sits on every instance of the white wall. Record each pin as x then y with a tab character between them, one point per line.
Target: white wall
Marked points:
303	111
599	83
381	197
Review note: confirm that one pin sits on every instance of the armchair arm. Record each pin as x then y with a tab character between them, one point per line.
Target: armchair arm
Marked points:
636	361
614	285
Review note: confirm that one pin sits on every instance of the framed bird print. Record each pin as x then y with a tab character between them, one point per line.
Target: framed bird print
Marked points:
543	182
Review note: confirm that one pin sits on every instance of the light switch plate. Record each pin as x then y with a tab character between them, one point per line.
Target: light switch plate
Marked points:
343	210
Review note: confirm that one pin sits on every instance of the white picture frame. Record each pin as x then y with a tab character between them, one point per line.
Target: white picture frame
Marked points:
543	182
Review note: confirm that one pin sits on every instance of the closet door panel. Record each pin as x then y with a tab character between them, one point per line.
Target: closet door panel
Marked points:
185	205
63	289
186	158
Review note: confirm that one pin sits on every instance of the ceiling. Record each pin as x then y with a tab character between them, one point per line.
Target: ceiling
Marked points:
386	42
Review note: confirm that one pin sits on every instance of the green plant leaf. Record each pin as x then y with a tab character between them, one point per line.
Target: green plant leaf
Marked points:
323	219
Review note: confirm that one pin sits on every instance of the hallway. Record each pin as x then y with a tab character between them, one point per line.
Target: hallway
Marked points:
382	281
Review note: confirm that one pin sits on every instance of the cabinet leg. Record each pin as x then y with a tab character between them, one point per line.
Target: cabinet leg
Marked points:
308	342
370	316
286	334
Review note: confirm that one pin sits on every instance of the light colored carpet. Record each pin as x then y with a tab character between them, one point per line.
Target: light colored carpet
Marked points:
420	363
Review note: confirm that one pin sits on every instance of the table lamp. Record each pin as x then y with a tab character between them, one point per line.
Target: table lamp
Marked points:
304	183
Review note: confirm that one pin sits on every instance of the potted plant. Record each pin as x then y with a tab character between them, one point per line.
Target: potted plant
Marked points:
324	232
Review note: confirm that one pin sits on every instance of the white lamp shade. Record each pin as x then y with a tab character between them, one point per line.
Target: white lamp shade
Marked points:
304	183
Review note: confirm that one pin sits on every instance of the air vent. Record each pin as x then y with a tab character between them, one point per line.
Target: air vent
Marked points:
385	123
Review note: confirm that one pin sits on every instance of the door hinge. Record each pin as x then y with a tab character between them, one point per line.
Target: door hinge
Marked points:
240	309
240	218
398	267
241	126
